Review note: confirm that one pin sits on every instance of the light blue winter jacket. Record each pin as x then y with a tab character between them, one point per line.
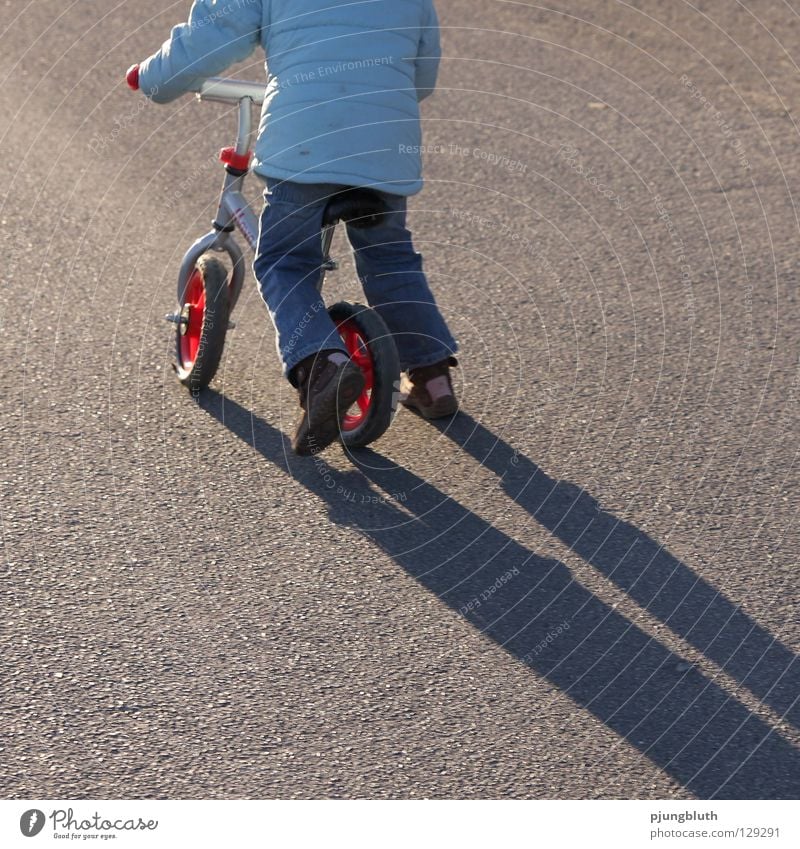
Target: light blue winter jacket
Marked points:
344	80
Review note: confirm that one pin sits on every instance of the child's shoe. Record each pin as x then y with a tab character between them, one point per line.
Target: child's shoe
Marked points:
429	390
328	383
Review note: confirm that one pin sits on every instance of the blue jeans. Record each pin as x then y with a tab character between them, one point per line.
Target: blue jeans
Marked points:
288	264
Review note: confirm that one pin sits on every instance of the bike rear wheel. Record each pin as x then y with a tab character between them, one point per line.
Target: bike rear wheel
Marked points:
372	349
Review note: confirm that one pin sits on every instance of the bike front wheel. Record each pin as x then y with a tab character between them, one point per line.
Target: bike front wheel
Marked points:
202	324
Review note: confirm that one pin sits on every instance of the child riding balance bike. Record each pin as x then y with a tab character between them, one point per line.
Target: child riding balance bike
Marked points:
339	139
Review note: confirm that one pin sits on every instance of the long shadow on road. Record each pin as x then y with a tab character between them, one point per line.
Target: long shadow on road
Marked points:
532	607
645	570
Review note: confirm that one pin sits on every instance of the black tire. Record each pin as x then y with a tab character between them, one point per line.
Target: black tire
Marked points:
385	369
207	327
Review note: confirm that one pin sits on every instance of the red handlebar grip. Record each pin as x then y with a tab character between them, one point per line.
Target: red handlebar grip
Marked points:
132	77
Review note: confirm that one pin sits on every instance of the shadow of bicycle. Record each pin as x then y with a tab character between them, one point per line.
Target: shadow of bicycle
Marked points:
685	723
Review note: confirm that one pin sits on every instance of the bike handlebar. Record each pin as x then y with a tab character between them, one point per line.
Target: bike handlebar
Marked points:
225	90
219	89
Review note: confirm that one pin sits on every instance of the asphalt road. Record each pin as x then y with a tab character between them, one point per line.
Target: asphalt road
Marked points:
583	587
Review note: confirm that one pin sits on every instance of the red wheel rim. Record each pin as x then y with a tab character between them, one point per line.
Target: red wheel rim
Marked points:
195	306
360	354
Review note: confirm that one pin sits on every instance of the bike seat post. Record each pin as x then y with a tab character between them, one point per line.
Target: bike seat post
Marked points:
328	264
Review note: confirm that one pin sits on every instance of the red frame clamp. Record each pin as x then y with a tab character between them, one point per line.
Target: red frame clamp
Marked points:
239	161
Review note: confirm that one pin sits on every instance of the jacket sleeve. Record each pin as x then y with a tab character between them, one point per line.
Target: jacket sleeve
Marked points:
217	34
429	52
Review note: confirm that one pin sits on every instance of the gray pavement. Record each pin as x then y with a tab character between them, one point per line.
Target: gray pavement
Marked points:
585	586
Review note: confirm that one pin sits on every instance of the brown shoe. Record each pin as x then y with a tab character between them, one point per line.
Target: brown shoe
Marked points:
422	390
327	389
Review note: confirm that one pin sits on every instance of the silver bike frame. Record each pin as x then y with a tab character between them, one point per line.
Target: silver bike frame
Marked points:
234	212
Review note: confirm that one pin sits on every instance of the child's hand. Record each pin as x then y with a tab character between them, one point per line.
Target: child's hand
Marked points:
217	34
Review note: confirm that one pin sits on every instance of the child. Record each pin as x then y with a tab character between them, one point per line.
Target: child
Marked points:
341	110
